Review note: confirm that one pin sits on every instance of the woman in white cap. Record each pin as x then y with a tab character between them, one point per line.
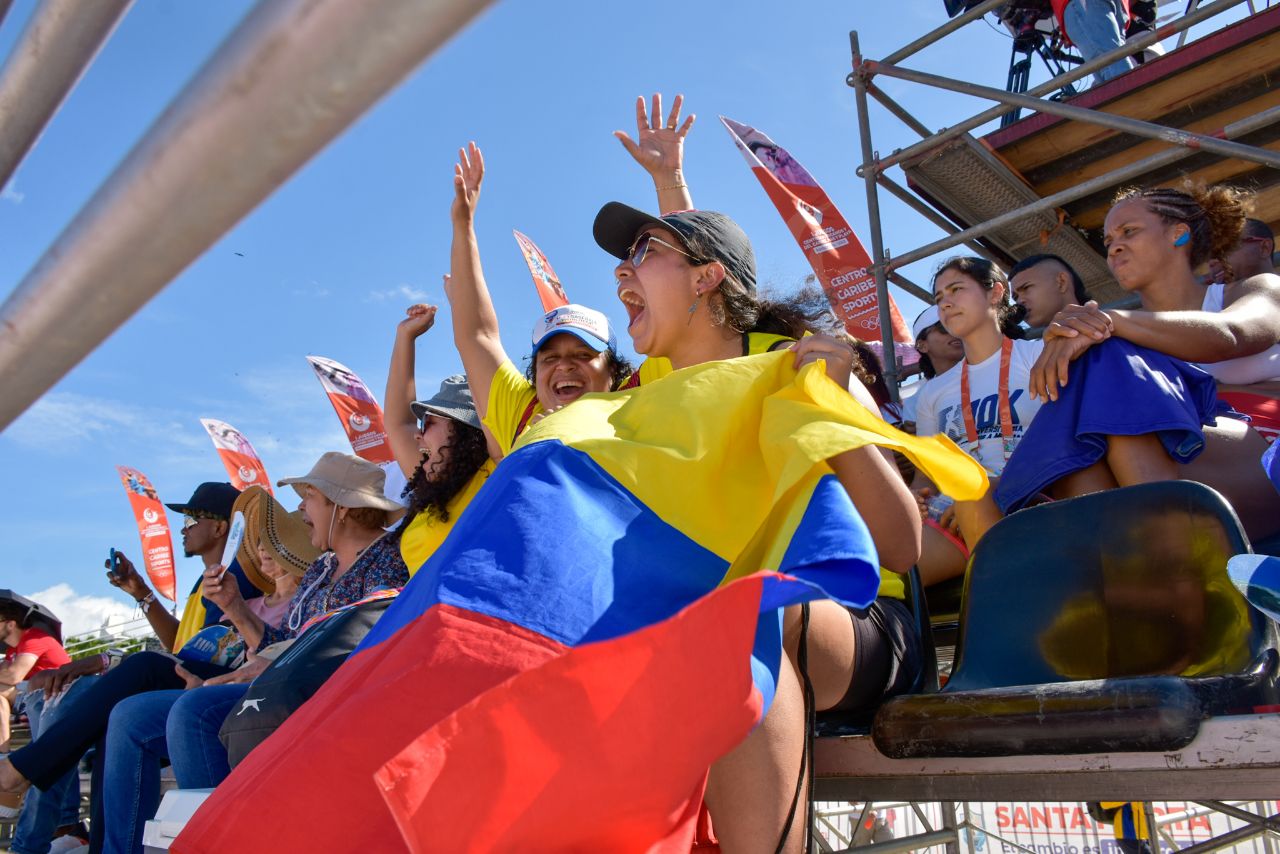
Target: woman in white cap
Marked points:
574	351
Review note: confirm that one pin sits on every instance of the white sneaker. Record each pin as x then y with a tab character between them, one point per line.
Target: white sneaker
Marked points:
68	843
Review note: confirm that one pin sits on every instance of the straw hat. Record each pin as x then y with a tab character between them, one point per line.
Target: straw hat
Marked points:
282	534
346	480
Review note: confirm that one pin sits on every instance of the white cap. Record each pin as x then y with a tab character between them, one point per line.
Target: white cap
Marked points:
591	326
927	318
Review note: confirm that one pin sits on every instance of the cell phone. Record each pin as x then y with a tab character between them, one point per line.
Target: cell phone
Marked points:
113	562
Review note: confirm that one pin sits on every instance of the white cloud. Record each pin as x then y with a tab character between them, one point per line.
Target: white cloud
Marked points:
407	292
57	423
83	614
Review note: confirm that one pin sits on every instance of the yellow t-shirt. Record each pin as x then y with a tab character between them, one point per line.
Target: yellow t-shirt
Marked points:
192	621
510	396
757	342
425	534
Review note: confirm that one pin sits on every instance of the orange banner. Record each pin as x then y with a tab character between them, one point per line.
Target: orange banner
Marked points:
238	456
153	529
359	413
544	278
834	251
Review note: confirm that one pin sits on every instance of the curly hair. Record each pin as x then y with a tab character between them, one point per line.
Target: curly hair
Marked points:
433	486
988	275
1214	215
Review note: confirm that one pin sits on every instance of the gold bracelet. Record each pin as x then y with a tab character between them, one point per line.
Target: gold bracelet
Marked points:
673	187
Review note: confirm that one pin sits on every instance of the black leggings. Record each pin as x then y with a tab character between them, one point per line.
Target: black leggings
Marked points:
60	746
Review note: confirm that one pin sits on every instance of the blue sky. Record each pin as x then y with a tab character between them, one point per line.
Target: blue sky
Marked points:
327	264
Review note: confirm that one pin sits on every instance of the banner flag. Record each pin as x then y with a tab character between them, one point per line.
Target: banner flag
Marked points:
834	251
359	413
153	530
238	456
544	278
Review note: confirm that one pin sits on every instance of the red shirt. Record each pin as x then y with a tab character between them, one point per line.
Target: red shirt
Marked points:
48	652
1059	6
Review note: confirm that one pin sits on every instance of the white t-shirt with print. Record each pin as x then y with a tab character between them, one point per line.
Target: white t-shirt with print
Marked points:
938	404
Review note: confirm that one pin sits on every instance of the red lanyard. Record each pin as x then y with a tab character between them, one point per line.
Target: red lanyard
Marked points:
1006	414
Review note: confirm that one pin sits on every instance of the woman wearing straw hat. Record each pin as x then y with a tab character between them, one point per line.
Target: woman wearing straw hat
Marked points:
338	549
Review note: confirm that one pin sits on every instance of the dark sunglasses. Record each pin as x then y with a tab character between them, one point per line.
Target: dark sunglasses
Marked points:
641	247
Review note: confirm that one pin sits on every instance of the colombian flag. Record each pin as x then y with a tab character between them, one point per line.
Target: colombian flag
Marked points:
601	625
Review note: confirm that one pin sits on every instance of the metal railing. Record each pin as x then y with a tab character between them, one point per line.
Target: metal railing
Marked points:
1183	144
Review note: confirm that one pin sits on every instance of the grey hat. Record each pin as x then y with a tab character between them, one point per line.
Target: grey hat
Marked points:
617	225
453	400
346	480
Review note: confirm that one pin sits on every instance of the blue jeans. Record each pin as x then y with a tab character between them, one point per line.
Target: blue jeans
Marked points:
1097	27
136	751
44	811
199	759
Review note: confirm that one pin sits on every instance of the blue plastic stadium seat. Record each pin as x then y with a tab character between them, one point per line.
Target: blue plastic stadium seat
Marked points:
1102	623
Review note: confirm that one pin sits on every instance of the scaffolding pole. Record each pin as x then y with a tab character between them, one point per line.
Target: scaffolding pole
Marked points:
58	44
1101	182
293	75
880	271
1085	69
1112	121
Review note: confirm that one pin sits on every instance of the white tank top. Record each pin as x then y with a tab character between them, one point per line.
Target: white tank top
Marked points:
1246	370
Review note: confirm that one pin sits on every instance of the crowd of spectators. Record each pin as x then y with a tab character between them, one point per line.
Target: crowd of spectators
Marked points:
1104	399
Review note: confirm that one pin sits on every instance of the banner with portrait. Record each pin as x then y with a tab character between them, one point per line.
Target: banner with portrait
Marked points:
357	409
544	278
837	256
241	461
153	530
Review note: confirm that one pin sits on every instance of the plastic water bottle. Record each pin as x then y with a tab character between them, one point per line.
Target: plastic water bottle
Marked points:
938	505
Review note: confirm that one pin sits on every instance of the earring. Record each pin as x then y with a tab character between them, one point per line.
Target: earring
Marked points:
694	307
1183	239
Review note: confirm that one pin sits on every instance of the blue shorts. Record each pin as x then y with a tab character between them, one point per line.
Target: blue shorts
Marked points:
1115	389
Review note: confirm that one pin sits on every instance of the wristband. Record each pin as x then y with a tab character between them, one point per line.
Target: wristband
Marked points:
681	186
145	602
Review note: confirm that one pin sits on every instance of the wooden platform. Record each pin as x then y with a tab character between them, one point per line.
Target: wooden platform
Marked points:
1232	758
1219	79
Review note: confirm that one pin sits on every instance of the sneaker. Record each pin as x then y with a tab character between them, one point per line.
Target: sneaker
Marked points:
68	843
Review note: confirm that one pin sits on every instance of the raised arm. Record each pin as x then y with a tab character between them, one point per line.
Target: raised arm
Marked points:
1249	325
128	579
475	323
659	149
397	416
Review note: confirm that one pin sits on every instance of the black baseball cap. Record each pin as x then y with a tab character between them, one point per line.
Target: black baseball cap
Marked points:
617	225
210	499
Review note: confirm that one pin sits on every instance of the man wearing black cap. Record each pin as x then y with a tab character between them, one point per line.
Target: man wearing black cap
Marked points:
206	519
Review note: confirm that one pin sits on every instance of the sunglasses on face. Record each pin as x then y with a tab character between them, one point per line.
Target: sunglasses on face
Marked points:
641	247
190	522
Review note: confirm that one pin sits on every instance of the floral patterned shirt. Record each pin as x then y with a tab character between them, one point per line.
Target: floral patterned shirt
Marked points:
379	567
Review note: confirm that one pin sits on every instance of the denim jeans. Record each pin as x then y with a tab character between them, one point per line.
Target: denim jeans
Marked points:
199	759
1097	27
136	750
43	812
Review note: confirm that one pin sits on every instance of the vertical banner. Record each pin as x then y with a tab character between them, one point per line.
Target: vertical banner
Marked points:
359	413
834	251
544	278
238	456
153	529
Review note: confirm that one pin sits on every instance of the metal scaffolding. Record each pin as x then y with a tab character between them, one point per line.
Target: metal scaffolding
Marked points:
1181	144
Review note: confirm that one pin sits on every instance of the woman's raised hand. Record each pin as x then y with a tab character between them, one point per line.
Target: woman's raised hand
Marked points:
658	147
468	174
418	319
